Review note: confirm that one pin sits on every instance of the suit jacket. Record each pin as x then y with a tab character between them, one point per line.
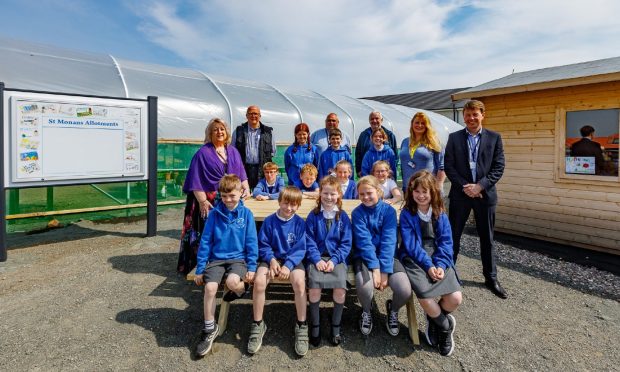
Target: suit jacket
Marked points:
489	165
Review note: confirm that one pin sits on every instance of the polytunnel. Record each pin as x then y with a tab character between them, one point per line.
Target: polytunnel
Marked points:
187	100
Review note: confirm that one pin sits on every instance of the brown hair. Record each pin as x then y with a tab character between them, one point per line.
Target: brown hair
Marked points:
332	182
270	166
229	183
335	132
371	181
290	194
211	126
343	162
474	104
380	129
427	181
429	138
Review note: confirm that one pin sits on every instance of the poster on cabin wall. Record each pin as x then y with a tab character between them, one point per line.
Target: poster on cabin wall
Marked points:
56	139
580	165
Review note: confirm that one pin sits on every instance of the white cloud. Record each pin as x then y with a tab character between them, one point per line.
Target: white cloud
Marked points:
364	47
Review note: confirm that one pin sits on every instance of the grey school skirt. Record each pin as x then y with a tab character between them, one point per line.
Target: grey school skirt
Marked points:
320	279
424	287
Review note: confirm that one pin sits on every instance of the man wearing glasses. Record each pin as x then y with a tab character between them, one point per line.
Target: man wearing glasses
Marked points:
320	138
255	143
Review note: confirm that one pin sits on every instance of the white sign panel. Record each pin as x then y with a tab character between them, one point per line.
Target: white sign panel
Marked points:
57	139
580	164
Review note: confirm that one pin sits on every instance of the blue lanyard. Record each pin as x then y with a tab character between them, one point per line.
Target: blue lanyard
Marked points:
473	142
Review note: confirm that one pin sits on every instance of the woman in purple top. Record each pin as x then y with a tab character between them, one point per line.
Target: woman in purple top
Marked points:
210	163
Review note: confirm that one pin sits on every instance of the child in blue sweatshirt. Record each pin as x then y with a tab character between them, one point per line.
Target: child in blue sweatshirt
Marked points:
281	249
378	151
426	255
328	231
333	154
344	170
374	247
268	188
228	245
307	182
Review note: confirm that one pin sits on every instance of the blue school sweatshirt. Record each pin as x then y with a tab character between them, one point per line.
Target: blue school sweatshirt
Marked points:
228	235
295	157
412	246
271	191
336	242
372	155
351	191
282	240
374	235
300	185
330	157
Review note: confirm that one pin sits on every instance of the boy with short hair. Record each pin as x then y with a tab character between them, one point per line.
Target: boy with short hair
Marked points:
333	154
307	181
281	249
268	188
228	245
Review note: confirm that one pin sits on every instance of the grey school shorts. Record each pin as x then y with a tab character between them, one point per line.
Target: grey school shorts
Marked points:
215	270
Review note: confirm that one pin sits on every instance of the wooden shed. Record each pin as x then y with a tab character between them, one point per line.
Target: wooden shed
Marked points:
549	191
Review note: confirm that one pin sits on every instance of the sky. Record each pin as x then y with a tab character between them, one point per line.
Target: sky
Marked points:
352	47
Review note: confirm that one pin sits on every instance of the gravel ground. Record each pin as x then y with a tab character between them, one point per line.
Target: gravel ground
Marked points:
102	297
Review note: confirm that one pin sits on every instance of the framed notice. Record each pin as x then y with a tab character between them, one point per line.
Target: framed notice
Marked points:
56	139
580	164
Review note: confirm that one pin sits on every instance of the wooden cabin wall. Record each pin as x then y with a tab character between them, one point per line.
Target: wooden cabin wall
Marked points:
531	203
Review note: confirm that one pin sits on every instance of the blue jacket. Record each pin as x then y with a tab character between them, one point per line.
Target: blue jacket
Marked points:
271	191
330	157
364	142
374	235
351	192
228	235
282	240
300	185
411	245
336	241
372	155
295	157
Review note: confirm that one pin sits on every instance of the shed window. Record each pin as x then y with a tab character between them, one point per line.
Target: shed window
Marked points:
591	142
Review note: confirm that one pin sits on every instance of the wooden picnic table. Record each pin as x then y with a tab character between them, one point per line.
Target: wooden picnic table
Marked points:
262	209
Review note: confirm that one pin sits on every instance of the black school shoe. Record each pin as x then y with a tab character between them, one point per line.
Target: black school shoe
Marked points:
336	338
430	332
446	338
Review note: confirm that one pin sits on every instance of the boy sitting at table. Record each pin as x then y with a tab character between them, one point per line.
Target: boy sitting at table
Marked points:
307	181
269	188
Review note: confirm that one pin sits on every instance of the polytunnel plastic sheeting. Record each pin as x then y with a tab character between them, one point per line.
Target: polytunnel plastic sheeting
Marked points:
316	108
38	67
189	98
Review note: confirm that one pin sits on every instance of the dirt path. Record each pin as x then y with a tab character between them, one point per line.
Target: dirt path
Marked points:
101	297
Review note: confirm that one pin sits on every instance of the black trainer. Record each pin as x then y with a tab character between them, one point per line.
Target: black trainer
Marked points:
430	332
206	341
446	338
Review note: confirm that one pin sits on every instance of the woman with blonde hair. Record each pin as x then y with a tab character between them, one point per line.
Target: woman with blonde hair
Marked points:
211	162
421	151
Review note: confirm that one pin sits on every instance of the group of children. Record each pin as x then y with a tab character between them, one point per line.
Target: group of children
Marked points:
315	254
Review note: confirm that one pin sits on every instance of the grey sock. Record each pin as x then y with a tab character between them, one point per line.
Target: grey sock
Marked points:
314	318
337	317
442	322
209	325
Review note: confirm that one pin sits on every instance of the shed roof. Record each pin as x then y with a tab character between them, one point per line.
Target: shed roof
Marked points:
599	71
429	100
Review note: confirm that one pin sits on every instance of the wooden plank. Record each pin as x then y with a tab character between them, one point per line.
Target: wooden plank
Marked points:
531	157
532	151
526	165
565	237
560	200
545	175
525	133
533	235
523	126
612	190
567	192
560	227
569	219
538	141
529	118
582	212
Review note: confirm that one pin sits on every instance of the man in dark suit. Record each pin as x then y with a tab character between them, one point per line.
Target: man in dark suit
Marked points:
474	162
586	147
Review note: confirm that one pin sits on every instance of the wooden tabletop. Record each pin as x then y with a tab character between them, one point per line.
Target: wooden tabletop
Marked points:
262	209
